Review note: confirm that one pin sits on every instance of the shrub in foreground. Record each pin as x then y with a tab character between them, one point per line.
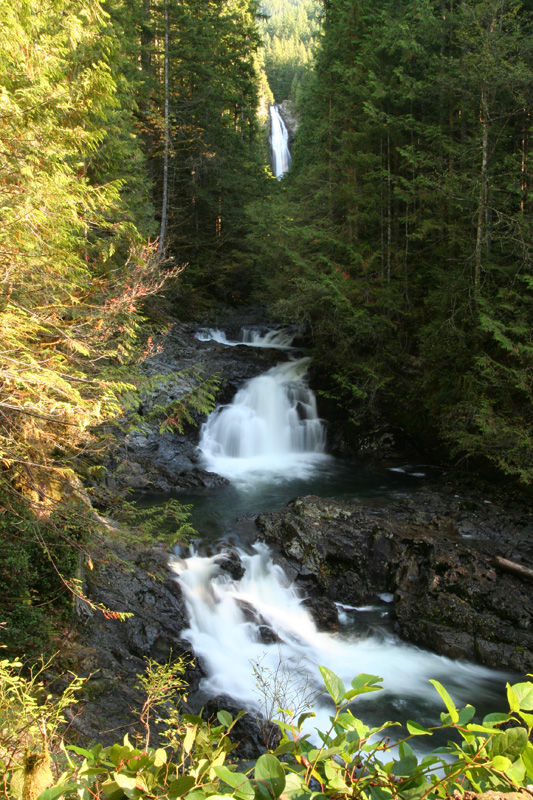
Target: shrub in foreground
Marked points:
349	759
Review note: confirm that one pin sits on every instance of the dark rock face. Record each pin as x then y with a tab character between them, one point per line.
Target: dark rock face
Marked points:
146	460
229	561
449	596
114	650
251	733
324	613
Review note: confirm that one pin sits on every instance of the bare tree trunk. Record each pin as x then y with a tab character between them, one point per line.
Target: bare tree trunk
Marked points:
525	153
481	233
389	211
161	247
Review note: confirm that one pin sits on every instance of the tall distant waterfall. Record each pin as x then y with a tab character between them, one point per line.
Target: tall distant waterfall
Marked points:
279	142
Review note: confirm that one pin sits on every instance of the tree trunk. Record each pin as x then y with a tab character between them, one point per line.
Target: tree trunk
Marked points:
161	247
481	232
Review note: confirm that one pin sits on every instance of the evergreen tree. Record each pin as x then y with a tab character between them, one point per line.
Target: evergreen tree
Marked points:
409	193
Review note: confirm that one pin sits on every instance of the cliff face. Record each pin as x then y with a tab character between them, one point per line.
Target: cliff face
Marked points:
288	112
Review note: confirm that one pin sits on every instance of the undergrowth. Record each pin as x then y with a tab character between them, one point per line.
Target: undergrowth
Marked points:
197	762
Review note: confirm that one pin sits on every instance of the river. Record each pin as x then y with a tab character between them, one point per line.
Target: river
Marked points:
252	627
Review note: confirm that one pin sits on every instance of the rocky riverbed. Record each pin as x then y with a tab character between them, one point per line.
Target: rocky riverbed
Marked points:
144	460
437	554
435	550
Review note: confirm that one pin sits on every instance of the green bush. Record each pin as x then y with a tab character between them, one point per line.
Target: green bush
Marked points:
350	760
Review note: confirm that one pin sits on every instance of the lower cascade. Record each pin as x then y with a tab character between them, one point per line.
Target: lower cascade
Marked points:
258	623
252	627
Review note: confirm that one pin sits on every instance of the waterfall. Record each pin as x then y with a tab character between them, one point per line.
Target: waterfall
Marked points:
229	619
270	438
277	339
279	142
270	431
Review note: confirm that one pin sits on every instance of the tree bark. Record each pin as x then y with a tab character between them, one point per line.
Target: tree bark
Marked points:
481	232
513	566
161	247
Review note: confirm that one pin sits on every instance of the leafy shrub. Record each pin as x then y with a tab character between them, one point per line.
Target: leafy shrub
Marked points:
350	759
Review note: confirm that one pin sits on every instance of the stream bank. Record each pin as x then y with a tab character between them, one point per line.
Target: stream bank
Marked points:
430	548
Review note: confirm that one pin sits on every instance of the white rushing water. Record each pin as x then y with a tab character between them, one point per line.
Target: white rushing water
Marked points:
226	615
279	143
270	434
278	339
271	430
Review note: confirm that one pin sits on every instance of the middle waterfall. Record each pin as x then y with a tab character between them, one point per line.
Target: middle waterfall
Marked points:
270	430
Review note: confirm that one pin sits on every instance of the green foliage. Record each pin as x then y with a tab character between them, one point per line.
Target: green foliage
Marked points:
402	235
31	724
77	272
166	522
350	759
214	161
289	29
173	399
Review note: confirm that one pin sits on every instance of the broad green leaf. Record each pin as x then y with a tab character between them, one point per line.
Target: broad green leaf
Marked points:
57	791
524	694
109	787
333	684
237	780
119	753
421	790
481	729
405	766
527	759
126	782
285	747
406	749
218	796
160	757
510	743
181	786
512	699
303	717
81	751
347	721
380	793
448	702
466	714
363	679
190	737
145	782
415	729
363	690
516	772
295	788
494	719
269	771
501	763
193	719
225	718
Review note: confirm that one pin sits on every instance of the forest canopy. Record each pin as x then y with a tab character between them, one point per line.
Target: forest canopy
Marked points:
403	236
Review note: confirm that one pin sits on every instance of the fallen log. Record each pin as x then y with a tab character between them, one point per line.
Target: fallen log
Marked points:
513	566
